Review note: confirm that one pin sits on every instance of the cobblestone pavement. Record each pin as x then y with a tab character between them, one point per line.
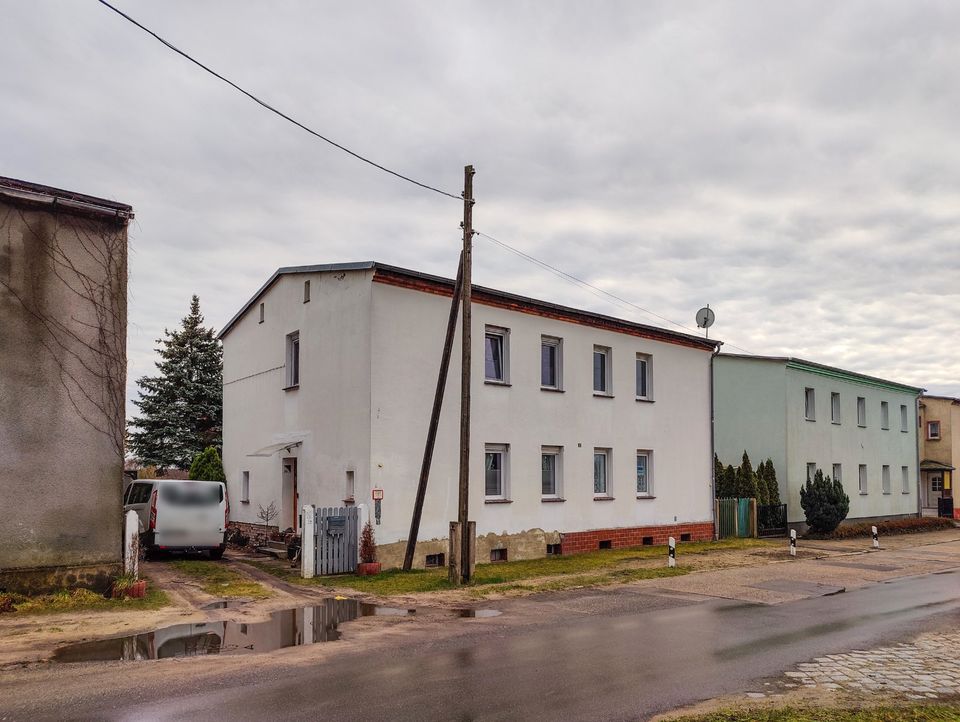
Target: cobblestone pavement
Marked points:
920	669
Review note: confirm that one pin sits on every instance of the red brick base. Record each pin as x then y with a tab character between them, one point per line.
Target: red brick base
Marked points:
577	542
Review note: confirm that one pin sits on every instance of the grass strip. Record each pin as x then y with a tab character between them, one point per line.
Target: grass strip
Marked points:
84	600
220	580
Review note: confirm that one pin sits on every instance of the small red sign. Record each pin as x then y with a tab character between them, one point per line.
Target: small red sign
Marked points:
377	494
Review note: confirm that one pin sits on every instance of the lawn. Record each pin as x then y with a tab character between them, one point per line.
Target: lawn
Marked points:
610	566
220	580
83	600
908	713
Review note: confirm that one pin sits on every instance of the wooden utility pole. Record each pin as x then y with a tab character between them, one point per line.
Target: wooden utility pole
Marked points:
466	543
434	419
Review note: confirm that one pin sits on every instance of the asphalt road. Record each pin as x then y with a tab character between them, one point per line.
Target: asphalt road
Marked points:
623	663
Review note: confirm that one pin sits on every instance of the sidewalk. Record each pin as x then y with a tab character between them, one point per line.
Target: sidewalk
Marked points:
841	565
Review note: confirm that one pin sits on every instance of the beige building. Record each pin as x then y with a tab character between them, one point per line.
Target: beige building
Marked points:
939	450
63	285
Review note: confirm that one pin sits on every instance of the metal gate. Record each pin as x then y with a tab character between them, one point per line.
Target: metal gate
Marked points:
735	518
772	519
336	535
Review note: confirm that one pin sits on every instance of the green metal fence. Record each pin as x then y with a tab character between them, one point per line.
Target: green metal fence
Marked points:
736	518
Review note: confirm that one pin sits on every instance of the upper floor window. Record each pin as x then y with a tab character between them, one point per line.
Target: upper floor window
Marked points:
904	420
495	471
261	313
809	404
863	478
306	291
861	411
601	370
551	362
644	482
293	359
644	376
884	415
933	430
835	407
497	354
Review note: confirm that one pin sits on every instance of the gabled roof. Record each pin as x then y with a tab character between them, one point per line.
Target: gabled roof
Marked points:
426	282
36	195
931	465
822	369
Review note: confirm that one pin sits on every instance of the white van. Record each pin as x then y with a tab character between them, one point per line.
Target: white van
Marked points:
179	515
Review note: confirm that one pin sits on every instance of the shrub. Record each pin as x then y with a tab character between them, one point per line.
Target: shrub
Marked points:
824	503
746	480
207	466
368	545
889	527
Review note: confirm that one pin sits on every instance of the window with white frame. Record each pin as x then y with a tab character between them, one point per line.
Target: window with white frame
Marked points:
904	421
863	478
245	486
495	471
885	479
884	415
835	407
905	479
644	376
496	354
551	471
306	291
602	370
838	472
601	472
293	360
809	404
936	483
933	430
861	411
261	313
811	470
551	363
644	472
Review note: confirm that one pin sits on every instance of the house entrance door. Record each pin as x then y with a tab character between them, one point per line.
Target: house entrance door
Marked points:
934	489
291	497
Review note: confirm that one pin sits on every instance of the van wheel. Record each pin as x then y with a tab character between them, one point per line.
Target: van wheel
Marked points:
216	553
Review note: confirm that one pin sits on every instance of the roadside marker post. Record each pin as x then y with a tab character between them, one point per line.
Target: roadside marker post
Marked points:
308	543
876	537
793	542
672	553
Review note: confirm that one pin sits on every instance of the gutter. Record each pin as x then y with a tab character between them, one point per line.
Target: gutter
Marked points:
713	452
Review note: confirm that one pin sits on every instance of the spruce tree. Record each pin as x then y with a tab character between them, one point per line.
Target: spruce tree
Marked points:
717	476
763	495
746	480
181	409
729	482
207	466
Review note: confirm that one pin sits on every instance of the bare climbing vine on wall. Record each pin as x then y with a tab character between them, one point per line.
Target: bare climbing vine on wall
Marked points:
67	274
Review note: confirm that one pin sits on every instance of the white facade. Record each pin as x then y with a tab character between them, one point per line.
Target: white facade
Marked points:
803	415
369	347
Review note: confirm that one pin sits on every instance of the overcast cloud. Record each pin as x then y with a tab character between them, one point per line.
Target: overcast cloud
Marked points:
794	165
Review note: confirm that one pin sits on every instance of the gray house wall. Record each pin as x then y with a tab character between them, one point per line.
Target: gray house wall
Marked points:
62	381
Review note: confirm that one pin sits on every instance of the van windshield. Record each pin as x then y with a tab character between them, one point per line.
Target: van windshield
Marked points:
192	494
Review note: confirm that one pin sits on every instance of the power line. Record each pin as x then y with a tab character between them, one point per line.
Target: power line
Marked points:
606	295
269	107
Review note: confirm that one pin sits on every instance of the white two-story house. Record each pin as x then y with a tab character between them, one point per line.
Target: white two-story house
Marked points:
587	431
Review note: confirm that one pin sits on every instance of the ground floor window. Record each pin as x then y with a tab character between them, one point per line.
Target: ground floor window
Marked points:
550	470
863	478
601	471
644	487
905	479
495	471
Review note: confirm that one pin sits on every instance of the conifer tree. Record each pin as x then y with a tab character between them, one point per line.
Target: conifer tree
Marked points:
763	495
181	409
717	476
773	488
746	480
824	503
207	466
729	482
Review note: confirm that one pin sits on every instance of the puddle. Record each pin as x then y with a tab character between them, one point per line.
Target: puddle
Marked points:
472	613
286	628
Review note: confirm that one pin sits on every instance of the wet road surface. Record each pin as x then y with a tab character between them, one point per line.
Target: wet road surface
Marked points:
623	663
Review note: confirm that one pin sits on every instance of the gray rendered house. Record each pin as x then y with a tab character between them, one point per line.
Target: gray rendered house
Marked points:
806	416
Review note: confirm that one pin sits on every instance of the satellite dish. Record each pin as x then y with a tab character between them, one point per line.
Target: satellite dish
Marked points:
705	318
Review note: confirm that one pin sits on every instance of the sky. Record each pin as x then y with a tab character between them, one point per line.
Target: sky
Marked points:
796	165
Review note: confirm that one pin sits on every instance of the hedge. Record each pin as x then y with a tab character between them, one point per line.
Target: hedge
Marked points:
887	528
